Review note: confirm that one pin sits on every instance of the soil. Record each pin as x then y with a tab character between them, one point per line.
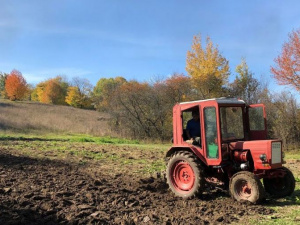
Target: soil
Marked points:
43	191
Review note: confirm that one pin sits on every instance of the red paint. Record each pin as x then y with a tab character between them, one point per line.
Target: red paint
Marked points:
241	156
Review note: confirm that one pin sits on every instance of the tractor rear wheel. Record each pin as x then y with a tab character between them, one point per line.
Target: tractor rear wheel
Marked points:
280	187
246	186
184	174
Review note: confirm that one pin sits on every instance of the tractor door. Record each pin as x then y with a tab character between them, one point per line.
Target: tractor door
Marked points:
257	122
211	129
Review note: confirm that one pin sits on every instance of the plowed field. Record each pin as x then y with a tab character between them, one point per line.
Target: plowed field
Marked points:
51	183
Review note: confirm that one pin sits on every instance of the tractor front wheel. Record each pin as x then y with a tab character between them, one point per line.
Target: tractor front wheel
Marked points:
184	175
246	186
280	187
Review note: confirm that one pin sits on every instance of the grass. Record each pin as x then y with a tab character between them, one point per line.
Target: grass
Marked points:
38	118
87	150
66	137
292	155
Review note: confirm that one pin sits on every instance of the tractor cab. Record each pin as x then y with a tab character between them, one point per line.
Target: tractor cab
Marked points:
222	121
231	144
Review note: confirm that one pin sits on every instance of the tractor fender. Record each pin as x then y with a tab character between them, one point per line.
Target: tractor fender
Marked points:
191	149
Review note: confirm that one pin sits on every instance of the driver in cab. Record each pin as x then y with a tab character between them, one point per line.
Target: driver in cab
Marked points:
193	129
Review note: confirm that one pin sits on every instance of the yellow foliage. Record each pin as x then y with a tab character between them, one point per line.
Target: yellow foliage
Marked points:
208	69
40	90
77	99
34	95
73	97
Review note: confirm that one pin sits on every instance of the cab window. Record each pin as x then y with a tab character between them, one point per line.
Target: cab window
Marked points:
211	135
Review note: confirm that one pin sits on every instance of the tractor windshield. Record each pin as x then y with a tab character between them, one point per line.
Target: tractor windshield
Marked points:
232	125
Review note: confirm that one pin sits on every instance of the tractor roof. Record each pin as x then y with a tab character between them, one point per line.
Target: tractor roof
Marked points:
223	100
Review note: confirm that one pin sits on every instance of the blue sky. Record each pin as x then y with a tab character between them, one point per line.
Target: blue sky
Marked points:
138	39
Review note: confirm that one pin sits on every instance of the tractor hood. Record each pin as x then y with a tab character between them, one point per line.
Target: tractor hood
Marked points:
266	154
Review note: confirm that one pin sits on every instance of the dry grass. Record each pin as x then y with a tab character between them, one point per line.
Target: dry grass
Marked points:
31	117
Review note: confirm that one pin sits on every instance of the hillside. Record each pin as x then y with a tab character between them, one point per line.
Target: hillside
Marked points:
32	117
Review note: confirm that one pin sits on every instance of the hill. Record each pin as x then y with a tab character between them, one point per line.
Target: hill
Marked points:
33	117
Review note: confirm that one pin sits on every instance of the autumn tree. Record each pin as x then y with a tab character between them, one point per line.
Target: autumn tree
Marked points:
79	94
104	90
37	93
145	109
179	88
73	97
52	91
142	110
34	96
287	68
245	86
15	86
208	69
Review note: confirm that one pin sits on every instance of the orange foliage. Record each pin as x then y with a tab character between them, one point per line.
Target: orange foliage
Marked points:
16	86
134	87
287	69
53	93
178	87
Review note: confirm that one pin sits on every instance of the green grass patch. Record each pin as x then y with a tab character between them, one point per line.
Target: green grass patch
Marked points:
102	140
292	155
66	137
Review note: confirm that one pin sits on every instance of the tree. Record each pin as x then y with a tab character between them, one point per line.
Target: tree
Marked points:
15	86
145	110
3	77
142	111
208	69
79	95
104	91
52	91
287	68
245	86
178	88
77	99
286	122
37	93
34	95
73	97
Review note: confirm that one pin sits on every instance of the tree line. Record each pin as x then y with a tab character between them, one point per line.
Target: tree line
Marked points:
143	110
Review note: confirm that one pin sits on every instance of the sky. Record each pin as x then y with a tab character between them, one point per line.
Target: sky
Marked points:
139	39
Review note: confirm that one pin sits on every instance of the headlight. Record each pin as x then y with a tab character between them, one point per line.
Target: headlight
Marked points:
263	157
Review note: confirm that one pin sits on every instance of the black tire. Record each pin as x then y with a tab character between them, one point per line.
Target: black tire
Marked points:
246	186
185	175
280	187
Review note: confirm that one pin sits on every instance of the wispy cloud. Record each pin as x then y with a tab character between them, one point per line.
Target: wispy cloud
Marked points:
43	74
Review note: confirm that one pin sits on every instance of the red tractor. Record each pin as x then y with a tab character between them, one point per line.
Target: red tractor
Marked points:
232	149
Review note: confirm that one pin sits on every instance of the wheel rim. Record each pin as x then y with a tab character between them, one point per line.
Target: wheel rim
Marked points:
243	189
183	177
